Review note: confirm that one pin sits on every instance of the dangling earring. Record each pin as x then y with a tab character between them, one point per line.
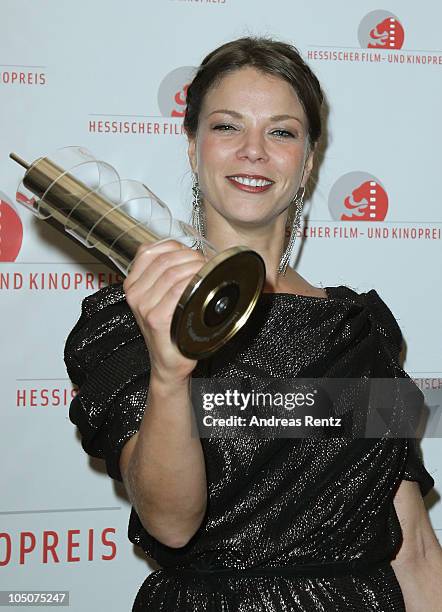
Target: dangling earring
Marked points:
297	203
197	213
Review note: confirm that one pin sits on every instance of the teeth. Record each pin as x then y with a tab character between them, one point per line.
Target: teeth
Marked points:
251	182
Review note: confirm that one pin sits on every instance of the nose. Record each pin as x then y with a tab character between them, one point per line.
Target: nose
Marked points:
253	147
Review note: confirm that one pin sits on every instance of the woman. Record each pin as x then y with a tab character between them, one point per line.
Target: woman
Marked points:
321	523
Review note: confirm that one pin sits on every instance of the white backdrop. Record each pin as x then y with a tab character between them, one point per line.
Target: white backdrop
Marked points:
109	76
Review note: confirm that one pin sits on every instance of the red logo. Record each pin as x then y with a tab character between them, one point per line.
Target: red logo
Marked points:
11	230
389	34
180	101
381	30
172	92
358	196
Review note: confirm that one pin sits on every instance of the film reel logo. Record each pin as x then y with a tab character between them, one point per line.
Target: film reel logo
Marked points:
358	196
381	30
11	230
172	92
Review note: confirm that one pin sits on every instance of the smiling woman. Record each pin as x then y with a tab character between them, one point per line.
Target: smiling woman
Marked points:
250	110
255	523
250	123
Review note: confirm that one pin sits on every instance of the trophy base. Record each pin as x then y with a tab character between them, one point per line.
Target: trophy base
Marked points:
217	302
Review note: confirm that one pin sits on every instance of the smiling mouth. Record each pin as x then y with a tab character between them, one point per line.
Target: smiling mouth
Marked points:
250	183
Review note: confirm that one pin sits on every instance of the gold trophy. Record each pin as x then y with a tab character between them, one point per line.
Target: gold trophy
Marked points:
86	198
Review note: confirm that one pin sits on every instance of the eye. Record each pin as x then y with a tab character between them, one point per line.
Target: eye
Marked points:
224	127
283	134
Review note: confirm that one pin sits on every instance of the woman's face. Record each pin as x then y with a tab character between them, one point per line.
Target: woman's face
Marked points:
250	151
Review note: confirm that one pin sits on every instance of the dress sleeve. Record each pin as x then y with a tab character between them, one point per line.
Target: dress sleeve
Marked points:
107	359
415	470
385	322
388	327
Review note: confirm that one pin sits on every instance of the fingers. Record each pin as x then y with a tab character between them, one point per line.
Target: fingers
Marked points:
158	276
145	254
155	270
161	314
166	267
155	259
170	282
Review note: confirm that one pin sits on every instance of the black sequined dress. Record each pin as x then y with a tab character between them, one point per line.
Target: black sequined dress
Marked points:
272	503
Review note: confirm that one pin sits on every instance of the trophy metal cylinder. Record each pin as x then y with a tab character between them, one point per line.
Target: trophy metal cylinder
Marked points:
85	213
219	298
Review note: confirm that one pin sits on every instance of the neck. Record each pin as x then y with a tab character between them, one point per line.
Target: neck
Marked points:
267	239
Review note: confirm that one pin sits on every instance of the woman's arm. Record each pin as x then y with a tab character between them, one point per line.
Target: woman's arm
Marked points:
163	466
418	564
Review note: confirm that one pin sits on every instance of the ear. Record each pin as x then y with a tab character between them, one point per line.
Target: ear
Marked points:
191	152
